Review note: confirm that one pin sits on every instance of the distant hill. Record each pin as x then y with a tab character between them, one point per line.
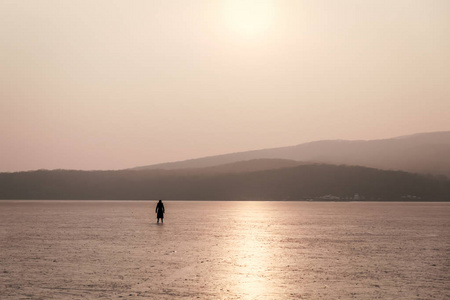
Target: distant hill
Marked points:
426	153
238	181
253	165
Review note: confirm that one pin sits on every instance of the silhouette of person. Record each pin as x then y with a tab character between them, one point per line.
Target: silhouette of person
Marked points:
160	211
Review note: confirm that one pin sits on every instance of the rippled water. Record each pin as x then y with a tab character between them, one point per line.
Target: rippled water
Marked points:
224	250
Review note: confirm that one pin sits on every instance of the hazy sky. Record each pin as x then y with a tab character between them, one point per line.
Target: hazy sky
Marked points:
118	84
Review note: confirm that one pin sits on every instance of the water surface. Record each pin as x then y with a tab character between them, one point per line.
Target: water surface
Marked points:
224	250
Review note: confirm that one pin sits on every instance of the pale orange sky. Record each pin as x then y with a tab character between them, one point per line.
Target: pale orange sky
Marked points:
118	84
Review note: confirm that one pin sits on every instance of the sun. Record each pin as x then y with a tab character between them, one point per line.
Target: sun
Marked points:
249	17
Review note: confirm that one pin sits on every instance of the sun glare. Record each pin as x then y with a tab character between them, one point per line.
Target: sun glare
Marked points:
249	17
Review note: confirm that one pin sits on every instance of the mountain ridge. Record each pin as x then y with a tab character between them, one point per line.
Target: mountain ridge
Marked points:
419	153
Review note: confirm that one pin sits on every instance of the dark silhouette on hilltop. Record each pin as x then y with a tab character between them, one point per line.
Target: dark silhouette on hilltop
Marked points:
160	211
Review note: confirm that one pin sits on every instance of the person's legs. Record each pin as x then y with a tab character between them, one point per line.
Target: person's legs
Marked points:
162	220
157	221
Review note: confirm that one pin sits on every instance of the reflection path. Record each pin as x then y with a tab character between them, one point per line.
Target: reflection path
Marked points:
253	252
256	266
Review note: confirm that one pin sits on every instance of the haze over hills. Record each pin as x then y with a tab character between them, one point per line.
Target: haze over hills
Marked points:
427	153
288	173
253	165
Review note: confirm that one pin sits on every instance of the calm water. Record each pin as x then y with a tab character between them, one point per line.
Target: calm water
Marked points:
224	250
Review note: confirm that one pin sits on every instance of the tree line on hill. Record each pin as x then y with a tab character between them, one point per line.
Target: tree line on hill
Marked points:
292	182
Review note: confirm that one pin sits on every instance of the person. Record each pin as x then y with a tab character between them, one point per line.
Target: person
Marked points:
160	211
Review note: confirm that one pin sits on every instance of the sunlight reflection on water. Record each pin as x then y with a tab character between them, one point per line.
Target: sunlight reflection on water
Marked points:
253	250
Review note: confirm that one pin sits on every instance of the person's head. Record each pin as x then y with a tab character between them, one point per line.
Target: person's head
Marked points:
160	201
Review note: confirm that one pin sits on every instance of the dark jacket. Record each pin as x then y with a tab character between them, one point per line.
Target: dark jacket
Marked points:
159	210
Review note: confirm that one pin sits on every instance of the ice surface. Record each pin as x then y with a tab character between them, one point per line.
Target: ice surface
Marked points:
224	250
